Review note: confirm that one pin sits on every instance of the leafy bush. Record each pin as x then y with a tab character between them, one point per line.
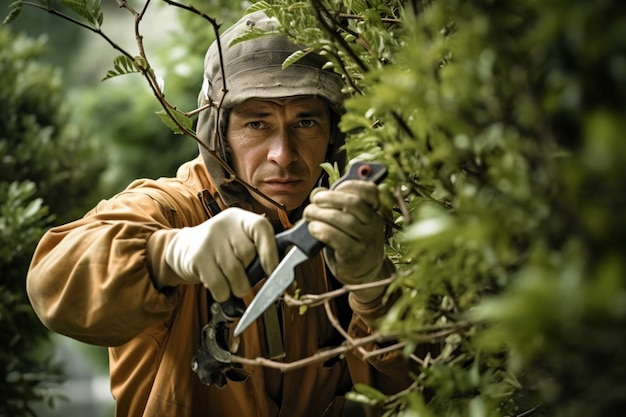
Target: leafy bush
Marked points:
500	122
36	141
47	169
27	376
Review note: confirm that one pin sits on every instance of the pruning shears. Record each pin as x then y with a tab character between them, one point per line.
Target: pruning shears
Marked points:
303	247
212	363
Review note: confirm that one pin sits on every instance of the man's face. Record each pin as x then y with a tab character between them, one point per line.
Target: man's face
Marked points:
277	146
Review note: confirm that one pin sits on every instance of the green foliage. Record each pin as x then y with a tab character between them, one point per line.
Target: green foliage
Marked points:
27	376
500	123
15	9
138	144
145	148
36	143
121	65
180	117
22	215
62	38
46	168
131	149
89	10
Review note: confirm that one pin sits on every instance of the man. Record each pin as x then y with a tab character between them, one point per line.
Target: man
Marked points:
139	271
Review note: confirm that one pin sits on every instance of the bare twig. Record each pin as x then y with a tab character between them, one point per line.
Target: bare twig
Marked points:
313	300
319	356
335	323
397	193
424	335
383	350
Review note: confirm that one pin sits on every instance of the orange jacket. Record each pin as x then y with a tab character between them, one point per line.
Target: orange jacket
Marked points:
90	280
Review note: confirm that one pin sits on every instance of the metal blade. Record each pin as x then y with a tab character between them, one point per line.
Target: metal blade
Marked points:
275	285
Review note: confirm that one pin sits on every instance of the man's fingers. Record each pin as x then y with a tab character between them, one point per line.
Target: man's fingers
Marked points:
234	270
261	234
346	220
219	251
366	191
357	198
336	238
342	222
217	284
257	239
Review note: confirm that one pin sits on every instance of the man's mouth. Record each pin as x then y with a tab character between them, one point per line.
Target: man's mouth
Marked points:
281	184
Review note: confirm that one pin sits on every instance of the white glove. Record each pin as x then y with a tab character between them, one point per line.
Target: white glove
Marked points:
346	220
217	252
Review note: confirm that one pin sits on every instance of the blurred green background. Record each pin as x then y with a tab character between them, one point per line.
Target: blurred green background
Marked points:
67	140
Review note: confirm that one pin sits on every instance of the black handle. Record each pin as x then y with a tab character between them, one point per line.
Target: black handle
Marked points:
234	307
299	234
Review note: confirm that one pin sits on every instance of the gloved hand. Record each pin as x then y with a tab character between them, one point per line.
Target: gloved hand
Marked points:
217	252
346	220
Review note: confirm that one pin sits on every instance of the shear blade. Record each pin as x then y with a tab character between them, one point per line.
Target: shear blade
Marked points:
276	284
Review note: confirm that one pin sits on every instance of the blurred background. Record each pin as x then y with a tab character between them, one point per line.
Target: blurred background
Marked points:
67	140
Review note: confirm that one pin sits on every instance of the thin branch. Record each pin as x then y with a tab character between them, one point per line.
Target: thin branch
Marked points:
322	15
319	356
335	323
423	362
350	344
81	24
216	30
383	350
397	193
403	125
314	300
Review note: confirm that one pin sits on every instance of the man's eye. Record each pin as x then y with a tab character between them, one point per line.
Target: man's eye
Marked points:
255	125
307	123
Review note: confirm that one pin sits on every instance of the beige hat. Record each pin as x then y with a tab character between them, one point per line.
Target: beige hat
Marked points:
253	68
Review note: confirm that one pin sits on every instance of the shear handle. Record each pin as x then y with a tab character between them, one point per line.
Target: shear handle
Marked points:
299	234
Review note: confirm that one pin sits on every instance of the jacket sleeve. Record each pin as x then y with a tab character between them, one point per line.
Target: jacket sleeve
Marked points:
90	279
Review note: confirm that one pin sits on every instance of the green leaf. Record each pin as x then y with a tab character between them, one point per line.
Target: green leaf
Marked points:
122	65
99	14
332	171
182	119
359	398
32	209
252	33
370	392
90	10
262	5
15	9
296	56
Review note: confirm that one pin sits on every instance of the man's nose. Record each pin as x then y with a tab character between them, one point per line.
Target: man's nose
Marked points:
282	149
